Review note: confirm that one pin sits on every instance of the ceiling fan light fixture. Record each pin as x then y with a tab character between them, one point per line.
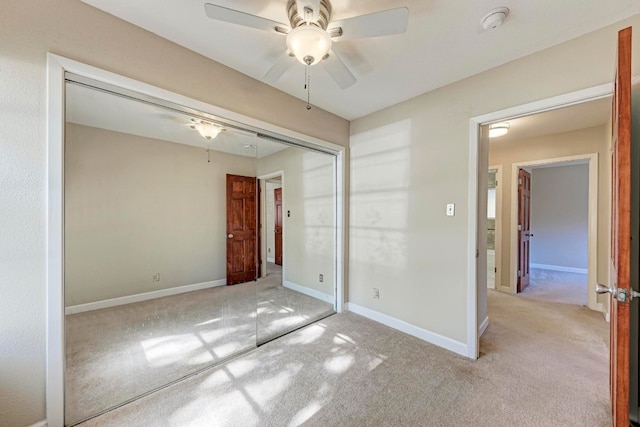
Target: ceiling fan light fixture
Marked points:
498	129
308	43
208	131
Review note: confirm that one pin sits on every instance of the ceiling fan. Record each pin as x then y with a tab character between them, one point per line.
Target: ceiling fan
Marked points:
310	34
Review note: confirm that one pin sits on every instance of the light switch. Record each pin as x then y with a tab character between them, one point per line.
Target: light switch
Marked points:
451	209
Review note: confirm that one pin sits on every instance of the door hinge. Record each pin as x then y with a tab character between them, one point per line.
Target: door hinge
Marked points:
495	269
477	253
519	181
519	273
519	227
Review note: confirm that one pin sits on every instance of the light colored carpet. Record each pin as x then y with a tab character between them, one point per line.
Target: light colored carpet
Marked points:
118	353
542	364
557	286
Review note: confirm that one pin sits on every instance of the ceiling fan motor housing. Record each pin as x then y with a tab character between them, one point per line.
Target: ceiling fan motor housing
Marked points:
296	18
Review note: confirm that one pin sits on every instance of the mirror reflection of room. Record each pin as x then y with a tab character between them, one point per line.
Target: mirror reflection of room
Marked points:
167	271
298	241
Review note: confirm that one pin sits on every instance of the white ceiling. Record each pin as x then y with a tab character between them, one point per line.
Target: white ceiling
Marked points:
581	116
90	107
444	42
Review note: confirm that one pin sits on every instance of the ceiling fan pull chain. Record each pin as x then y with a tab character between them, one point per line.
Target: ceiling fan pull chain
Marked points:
307	85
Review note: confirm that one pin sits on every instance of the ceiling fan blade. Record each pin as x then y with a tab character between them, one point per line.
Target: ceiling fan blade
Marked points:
279	68
338	71
233	16
385	23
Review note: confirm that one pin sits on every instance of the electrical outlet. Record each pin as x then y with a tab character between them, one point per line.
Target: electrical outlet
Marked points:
321	278
156	277
376	293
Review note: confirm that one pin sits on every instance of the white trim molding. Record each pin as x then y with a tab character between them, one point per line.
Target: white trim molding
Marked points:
272	260
473	339
560	268
483	326
40	424
130	299
400	325
310	292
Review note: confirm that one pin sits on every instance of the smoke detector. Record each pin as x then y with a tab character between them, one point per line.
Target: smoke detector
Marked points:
494	18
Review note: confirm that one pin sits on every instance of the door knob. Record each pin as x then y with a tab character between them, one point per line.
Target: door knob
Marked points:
230	236
602	289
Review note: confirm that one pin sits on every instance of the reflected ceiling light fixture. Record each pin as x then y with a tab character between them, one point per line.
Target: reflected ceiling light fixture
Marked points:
498	129
207	130
494	18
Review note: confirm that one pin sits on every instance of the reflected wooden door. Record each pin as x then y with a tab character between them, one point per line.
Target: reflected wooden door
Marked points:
277	193
242	201
621	233
524	228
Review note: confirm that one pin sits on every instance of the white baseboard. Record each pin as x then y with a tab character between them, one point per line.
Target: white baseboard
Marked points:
40	424
113	302
483	326
559	268
273	260
308	291
408	328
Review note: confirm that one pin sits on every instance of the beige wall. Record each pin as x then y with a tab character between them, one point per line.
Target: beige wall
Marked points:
585	141
29	29
137	206
308	194
409	160
559	215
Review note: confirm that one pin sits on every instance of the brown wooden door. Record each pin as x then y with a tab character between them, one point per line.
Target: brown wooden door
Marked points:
621	232
524	228
277	195
242	253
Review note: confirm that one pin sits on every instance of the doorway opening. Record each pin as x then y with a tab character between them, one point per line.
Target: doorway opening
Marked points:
550	205
552	183
553	232
271	224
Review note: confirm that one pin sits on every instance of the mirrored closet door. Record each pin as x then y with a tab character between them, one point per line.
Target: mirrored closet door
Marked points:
189	239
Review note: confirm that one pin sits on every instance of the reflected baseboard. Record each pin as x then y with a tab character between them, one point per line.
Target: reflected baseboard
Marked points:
40	424
129	299
308	291
273	260
408	328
